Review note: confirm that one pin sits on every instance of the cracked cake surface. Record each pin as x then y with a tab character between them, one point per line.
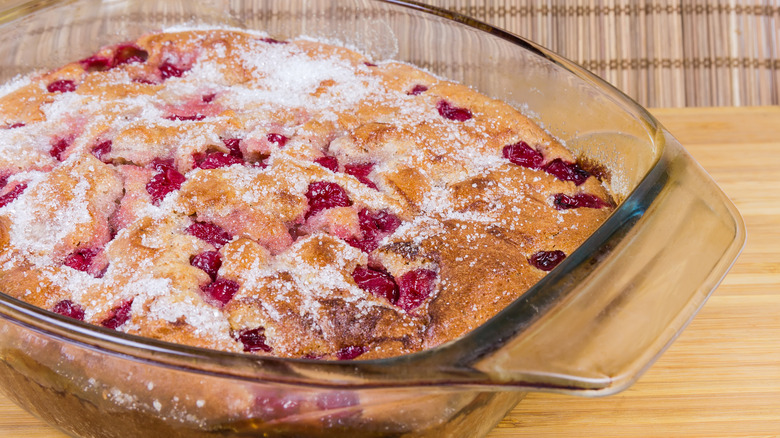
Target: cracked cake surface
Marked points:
222	189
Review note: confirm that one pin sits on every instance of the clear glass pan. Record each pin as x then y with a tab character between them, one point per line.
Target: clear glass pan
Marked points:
591	327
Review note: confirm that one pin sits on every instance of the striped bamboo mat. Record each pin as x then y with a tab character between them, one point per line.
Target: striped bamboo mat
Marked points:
663	53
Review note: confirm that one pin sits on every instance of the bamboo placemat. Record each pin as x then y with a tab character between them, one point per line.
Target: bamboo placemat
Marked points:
663	53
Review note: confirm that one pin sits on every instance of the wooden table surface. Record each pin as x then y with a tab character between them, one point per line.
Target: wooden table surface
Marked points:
721	378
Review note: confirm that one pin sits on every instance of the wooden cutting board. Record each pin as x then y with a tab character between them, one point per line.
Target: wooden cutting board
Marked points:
721	378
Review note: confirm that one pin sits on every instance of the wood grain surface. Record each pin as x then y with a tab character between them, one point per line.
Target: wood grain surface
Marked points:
721	378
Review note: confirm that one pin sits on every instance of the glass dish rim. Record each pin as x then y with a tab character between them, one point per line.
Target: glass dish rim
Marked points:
448	362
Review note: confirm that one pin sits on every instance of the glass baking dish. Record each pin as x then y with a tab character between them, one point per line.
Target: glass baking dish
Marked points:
590	327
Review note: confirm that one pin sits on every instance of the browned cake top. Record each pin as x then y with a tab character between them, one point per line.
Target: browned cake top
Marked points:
226	190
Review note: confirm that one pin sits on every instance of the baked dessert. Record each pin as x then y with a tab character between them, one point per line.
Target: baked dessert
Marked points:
222	189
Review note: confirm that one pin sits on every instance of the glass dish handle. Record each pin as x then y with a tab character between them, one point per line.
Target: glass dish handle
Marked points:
614	323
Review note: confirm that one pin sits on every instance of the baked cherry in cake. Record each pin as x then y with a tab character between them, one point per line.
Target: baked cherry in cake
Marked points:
228	190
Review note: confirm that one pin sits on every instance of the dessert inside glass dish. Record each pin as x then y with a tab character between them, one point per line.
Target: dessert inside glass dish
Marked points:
242	227
224	189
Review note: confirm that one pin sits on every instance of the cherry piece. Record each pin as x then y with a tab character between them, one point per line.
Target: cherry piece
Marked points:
414	287
194	117
61	86
323	195
12	194
102	149
379	222
566	171
95	63
144	81
4	181
278	139
350	352
15	125
70	309
377	282
586	200
523	155
119	316
169	70
417	90
254	340
166	180
546	260
221	290
450	112
361	171
369	64
58	148
209	261
272	41
129	53
208	98
374	226
81	259
215	160
233	144
210	233
330	163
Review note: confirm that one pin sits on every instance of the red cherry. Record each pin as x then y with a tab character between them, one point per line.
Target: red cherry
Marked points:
118	316
61	86
81	259
234	145
374	227
129	53
417	90
330	163
221	290
566	171
58	149
210	233
193	117
209	261
12	194
254	340
361	171
546	260
586	200
166	180
523	155
215	160
350	352
377	282
278	139
169	70
70	309
102	149
450	112
272	41
96	63
414	287
323	195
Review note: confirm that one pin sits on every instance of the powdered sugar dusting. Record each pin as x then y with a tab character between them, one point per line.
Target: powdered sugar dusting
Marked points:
40	220
284	76
230	176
